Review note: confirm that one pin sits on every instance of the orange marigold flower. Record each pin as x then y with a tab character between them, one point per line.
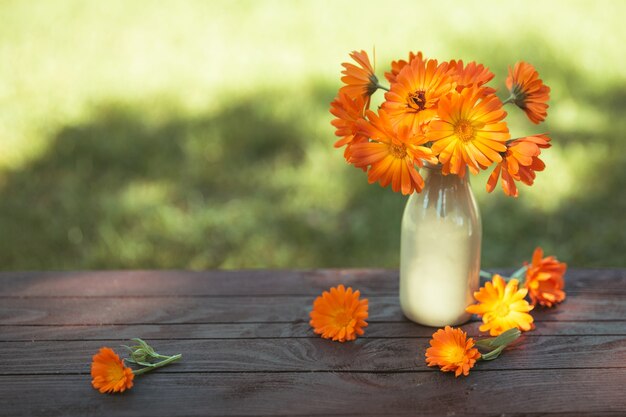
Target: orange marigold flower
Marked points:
452	350
471	75
396	66
348	111
339	314
544	279
392	155
413	98
502	306
528	92
360	80
469	131
109	373
519	163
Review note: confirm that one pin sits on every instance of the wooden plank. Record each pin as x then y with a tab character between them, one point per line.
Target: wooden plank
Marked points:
250	282
575	391
315	355
273	330
294	309
192	283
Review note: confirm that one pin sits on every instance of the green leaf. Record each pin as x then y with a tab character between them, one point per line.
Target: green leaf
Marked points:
507	337
495	345
504	339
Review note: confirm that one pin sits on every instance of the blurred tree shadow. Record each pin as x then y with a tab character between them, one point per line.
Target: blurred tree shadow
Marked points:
125	191
128	190
589	227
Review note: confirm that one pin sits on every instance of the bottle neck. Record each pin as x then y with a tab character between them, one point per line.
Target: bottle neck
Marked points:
447	195
433	175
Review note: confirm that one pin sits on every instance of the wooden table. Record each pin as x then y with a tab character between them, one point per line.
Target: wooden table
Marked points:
248	348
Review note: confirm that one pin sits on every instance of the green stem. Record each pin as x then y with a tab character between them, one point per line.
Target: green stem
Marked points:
509	100
382	87
518	274
167	361
485	274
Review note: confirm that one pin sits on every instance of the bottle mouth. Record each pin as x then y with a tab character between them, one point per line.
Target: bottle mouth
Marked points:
433	166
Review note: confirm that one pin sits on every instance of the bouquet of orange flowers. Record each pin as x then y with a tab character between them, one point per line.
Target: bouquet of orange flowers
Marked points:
440	113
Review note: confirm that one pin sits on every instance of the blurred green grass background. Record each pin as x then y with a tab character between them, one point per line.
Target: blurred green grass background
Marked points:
143	134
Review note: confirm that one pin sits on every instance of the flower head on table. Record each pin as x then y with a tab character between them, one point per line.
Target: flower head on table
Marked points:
502	306
544	279
109	372
452	351
339	314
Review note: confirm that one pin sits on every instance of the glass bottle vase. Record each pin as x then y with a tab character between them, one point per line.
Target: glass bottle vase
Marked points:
440	250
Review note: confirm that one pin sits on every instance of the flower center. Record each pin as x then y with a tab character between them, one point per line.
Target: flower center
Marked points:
417	100
115	373
342	318
464	130
502	310
398	151
456	355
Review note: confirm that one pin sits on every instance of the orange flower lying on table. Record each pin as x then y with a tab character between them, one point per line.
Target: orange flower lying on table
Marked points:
502	306
110	375
339	314
444	106
109	372
544	279
452	350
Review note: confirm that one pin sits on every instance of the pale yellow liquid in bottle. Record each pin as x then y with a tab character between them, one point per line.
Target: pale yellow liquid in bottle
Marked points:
440	252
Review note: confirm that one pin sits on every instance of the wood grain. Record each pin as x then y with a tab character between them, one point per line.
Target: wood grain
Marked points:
273	330
252	282
316	354
294	309
248	348
573	391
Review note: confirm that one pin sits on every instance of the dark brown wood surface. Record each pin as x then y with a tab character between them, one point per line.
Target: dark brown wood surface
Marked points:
248	348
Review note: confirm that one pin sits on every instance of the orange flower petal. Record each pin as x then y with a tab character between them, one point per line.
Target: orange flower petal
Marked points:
471	75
